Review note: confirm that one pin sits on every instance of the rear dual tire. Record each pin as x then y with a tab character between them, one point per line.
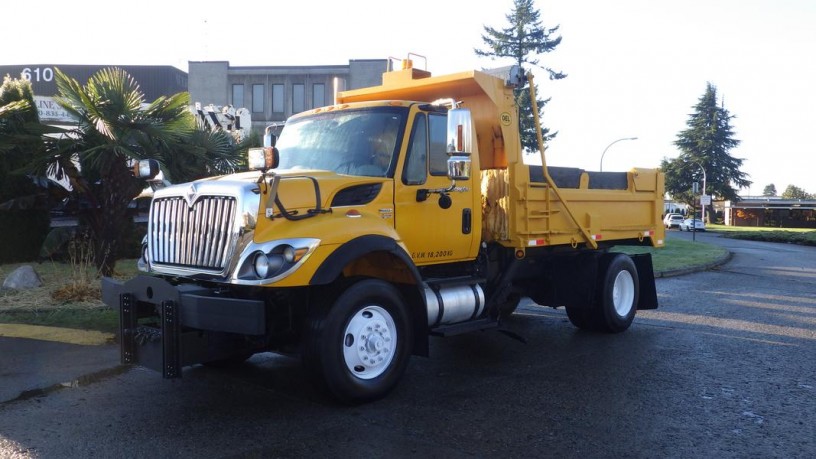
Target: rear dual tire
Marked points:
616	297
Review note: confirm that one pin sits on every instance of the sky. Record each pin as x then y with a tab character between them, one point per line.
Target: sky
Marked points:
635	68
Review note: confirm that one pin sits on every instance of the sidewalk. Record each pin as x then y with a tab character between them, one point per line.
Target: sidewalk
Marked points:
35	360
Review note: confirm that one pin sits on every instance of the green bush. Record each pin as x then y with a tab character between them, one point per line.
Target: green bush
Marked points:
130	246
25	220
781	236
22	233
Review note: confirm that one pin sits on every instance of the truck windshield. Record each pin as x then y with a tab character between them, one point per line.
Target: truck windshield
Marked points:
353	142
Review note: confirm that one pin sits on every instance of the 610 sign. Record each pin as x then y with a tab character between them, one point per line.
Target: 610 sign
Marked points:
44	74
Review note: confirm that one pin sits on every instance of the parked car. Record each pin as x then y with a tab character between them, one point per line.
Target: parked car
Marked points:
689	224
672	220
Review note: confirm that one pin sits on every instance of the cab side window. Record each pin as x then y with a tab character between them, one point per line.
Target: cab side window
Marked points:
438	143
415	171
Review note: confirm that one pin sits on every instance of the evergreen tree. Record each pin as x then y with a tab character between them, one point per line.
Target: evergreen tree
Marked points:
17	113
24	216
770	190
706	145
522	40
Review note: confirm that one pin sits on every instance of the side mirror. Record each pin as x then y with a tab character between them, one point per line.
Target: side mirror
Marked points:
459	136
270	139
146	168
459	167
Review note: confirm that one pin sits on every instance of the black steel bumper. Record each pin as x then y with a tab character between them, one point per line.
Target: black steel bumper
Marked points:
190	324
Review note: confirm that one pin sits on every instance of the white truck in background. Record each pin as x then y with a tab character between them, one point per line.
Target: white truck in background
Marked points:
238	122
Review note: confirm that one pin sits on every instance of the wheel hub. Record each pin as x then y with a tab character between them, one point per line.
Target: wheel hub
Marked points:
370	342
623	293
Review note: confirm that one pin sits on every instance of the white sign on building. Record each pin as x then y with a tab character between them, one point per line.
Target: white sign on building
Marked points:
50	111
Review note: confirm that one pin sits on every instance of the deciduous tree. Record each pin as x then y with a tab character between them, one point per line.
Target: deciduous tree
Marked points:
794	192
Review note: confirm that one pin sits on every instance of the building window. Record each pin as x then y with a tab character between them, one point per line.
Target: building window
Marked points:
237	95
298	98
257	98
318	95
277	98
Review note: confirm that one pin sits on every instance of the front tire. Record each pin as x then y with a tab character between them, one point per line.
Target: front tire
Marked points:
507	308
358	345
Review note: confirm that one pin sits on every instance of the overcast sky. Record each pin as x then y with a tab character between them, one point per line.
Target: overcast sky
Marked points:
635	67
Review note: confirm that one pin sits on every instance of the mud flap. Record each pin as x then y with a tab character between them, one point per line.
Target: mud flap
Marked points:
648	291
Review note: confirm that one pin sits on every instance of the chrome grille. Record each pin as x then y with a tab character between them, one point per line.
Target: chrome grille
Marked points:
198	236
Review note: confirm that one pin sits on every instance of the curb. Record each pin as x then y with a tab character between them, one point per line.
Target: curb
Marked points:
693	269
81	381
23	389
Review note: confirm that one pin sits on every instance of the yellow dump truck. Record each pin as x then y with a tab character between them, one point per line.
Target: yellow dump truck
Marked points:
401	212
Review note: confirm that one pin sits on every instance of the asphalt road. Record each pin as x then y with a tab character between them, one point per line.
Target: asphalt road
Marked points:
725	368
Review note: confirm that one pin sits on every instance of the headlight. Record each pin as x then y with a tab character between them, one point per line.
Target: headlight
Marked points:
292	254
261	265
262	158
288	254
271	261
255	159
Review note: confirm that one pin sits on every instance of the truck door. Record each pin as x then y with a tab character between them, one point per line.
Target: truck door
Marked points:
432	234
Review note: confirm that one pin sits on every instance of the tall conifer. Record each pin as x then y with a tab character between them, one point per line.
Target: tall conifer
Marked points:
523	40
706	145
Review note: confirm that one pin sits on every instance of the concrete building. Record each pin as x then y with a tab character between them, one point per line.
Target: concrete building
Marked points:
154	81
270	93
273	93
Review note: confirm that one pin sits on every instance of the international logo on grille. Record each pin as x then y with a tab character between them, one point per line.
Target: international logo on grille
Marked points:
190	196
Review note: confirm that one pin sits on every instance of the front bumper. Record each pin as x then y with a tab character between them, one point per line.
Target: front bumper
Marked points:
165	327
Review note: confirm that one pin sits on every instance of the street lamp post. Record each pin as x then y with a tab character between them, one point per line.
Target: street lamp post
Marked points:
613	143
702	211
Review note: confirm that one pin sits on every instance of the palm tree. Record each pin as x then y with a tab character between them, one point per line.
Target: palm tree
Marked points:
114	129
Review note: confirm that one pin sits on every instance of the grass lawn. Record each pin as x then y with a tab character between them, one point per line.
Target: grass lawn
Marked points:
68	298
678	254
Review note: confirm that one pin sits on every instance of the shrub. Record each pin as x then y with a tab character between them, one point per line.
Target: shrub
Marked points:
25	221
83	283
